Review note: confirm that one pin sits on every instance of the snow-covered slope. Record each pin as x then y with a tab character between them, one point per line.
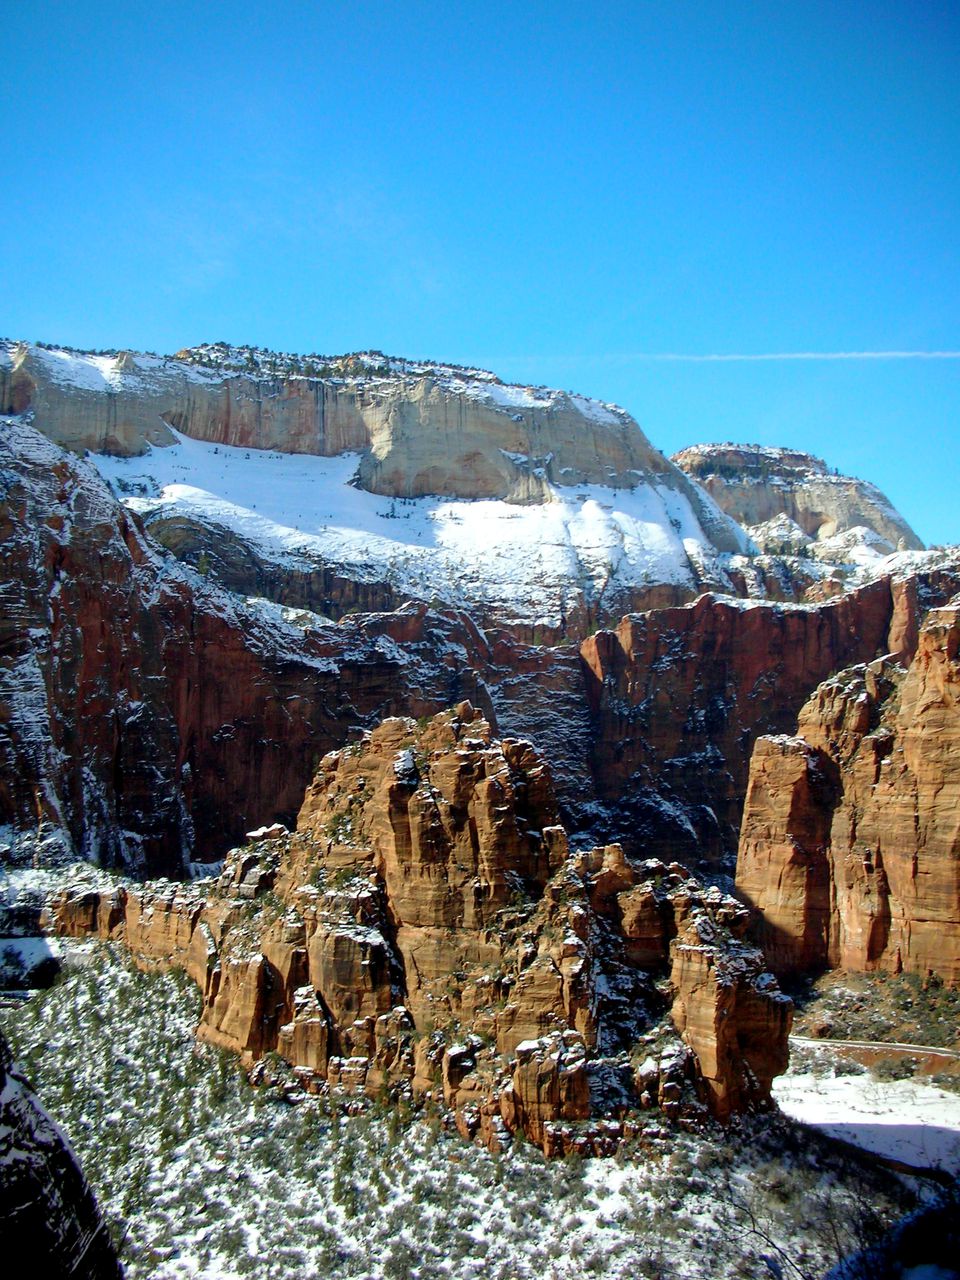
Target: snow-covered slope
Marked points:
530	506
905	1120
527	563
47	1210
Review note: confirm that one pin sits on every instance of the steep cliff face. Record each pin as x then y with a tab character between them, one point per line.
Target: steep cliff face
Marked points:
530	507
678	697
850	845
155	718
46	1206
152	717
790	500
427	929
359	482
421	428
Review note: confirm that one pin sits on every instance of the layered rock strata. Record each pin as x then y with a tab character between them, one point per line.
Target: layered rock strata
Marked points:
153	717
790	499
850	846
420	428
427	931
678	697
148	715
46	1205
608	523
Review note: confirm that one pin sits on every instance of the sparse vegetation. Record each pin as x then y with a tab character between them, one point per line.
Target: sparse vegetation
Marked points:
204	1176
897	1008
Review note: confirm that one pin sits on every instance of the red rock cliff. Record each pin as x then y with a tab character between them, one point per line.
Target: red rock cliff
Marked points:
151	716
679	696
850	847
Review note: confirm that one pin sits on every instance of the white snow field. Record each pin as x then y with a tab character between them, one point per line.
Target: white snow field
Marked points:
907	1120
527	562
522	564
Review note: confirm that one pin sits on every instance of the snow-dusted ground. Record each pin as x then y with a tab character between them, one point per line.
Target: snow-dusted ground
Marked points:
525	561
28	953
212	1179
907	1120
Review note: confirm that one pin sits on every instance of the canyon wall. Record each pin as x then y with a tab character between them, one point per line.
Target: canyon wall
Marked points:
850	845
433	431
154	717
758	486
678	697
151	716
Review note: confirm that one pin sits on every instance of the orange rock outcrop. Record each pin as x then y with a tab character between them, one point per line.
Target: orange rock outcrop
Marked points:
850	846
428	931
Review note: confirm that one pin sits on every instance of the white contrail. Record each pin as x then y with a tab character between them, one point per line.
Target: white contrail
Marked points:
792	355
720	357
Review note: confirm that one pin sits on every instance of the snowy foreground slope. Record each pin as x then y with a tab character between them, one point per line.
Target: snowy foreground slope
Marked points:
213	1179
908	1121
44	1197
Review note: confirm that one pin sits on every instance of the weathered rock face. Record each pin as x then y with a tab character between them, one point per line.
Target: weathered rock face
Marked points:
45	1201
678	697
150	716
786	497
154	718
650	537
850	847
427	929
421	429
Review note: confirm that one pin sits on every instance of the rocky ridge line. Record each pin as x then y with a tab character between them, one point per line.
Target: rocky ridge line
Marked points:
421	429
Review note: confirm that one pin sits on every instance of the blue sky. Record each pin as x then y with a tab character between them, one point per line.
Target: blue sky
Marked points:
551	192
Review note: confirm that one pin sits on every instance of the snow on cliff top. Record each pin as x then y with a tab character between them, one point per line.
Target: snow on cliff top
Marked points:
701	455
108	371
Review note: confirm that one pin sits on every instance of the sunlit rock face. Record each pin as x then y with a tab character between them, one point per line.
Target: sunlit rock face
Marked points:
850	848
531	507
359	482
428	930
46	1206
266	555
421	428
791	501
152	717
